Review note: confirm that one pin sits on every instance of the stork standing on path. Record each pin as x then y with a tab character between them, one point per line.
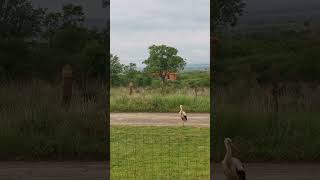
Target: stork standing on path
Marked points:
183	115
232	167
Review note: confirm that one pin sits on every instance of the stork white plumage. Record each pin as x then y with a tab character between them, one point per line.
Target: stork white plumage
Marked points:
183	115
232	167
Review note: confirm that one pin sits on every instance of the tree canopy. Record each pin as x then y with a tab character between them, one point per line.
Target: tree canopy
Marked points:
226	12
35	43
163	59
18	18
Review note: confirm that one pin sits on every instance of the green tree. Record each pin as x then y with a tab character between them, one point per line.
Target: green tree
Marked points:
226	12
51	23
95	63
142	79
18	18
130	71
162	60
72	15
116	68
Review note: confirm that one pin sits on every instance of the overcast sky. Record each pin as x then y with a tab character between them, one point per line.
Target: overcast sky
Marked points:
183	24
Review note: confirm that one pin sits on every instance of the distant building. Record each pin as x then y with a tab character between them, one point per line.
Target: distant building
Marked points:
168	75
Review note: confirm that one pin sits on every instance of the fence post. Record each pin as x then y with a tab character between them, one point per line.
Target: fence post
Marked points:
130	88
67	83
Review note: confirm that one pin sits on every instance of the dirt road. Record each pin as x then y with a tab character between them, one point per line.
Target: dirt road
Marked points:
159	119
53	170
98	171
275	172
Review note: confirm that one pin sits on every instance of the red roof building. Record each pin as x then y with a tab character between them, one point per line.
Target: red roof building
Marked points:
168	76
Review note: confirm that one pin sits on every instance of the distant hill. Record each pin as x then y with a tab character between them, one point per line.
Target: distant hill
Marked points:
197	67
190	67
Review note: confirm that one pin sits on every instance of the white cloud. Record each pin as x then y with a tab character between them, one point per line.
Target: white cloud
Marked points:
183	24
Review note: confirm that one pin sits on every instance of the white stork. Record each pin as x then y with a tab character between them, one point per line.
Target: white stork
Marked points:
183	115
232	167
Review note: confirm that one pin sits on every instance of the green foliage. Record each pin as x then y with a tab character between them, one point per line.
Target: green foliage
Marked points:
277	58
131	71
15	57
149	94
154	99
142	80
116	68
163	59
196	78
155	83
226	12
72	15
19	19
49	41
122	74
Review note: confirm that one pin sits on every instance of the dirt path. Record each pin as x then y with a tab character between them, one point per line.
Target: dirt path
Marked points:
98	171
275	172
53	170
159	119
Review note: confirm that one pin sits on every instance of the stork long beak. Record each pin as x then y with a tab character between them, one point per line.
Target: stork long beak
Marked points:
235	147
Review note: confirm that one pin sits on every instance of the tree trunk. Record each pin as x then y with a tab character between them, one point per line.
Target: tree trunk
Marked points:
67	84
275	94
196	91
163	80
275	124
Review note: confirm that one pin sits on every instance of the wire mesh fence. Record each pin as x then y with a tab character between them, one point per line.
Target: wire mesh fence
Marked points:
158	156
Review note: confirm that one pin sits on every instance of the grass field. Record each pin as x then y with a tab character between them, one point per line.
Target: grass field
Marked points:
156	100
265	137
267	95
160	153
34	125
248	116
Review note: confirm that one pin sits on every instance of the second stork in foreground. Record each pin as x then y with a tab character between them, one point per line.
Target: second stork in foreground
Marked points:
183	115
232	167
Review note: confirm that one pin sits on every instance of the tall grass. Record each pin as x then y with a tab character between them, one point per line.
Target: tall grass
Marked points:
248	116
159	100
35	125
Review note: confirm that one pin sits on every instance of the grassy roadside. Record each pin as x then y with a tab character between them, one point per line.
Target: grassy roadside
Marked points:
153	100
159	153
265	137
35	126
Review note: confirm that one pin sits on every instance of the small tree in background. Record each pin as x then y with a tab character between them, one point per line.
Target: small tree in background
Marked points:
19	19
162	60
130	71
226	12
198	84
116	68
